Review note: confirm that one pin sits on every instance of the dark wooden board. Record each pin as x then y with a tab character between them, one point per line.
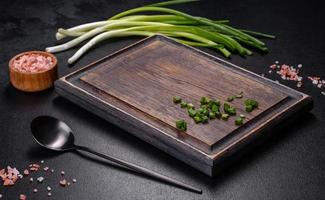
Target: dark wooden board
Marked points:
133	88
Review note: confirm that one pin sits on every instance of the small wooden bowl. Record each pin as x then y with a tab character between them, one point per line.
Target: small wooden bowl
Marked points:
33	81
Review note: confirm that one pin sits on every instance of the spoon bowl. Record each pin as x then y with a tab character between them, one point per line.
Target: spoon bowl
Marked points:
52	133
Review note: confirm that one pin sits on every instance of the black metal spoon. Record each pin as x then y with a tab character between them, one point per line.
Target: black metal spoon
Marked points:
56	135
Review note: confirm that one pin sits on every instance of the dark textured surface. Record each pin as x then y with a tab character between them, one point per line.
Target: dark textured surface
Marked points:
291	165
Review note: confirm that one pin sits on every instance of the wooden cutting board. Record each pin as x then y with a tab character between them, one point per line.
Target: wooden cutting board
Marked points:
133	88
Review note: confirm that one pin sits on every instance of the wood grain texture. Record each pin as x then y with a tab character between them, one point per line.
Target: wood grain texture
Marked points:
133	89
147	79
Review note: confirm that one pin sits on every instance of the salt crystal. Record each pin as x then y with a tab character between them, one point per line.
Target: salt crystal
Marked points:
52	170
40	179
299	84
270	71
42	161
35	190
0	196
31	179
300	66
62	173
74	180
49	188
63	183
323	93
276	62
46	168
273	66
49	194
22	197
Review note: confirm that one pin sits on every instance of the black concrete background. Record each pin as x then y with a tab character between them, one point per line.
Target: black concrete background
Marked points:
291	165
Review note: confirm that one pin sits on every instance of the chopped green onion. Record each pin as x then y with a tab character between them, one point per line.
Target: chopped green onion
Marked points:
249	108
214	108
229	109
183	104
181	125
189	105
177	99
212	115
197	119
239	121
230	99
240	95
205	112
251	102
205	119
250	105
225	116
204	100
191	112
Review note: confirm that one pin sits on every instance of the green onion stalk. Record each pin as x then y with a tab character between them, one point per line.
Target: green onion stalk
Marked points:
179	26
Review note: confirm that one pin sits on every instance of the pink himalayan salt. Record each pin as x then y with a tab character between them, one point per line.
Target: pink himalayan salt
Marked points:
22	197
32	63
10	177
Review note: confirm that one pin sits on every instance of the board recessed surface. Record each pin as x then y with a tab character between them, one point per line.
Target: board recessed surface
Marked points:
133	88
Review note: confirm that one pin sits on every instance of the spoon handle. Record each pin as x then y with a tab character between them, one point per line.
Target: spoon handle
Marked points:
142	170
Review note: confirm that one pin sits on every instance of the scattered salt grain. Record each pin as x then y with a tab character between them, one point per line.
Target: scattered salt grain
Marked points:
291	73
299	84
34	167
10	176
40	179
22	197
42	161
63	183
323	93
